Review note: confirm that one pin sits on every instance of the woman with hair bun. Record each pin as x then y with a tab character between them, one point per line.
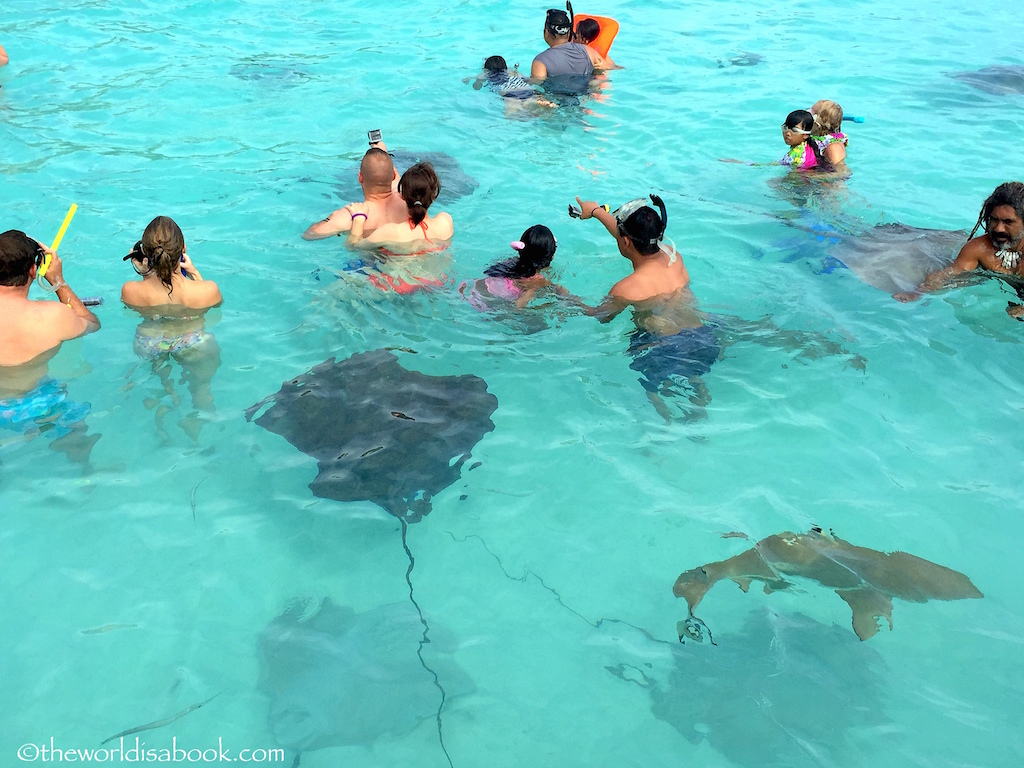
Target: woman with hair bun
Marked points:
172	298
169	278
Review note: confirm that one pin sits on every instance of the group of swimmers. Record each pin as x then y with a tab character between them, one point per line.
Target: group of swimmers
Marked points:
394	221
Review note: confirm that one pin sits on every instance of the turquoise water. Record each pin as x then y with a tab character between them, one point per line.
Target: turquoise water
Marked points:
548	586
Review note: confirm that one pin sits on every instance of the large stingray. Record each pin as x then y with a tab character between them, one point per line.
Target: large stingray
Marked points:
865	578
785	690
379	432
455	182
339	678
998	79
897	257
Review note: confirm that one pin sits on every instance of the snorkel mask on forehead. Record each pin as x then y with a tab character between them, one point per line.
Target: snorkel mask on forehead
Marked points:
623	212
554	21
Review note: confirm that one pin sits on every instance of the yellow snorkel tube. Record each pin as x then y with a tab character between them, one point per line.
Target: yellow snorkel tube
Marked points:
41	274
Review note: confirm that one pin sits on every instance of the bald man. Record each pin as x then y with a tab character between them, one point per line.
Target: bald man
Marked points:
384	205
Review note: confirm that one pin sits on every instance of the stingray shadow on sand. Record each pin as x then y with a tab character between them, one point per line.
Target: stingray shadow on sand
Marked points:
339	678
784	690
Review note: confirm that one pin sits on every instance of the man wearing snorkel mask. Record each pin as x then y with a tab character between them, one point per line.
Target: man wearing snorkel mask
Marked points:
670	341
570	63
31	329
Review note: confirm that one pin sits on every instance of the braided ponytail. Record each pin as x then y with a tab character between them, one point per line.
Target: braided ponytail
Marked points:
163	244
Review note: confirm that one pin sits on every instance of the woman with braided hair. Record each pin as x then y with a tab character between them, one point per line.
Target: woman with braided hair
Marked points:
998	251
168	275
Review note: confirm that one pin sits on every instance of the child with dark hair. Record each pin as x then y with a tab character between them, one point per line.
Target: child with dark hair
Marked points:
587	31
804	152
519	279
509	85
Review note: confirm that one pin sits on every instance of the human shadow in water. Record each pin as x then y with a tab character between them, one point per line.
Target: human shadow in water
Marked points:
162	341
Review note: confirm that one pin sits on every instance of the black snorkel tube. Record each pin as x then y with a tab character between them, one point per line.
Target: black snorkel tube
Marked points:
572	21
663	213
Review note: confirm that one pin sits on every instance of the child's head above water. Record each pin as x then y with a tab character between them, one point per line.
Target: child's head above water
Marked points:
495	64
534	252
828	116
587	31
798	126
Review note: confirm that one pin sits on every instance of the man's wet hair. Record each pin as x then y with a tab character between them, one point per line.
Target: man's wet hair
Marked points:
495	64
804	120
1010	193
642	227
557	23
18	252
536	254
587	31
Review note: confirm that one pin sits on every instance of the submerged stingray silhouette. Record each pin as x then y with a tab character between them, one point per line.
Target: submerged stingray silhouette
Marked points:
379	432
998	79
455	182
865	578
337	678
897	257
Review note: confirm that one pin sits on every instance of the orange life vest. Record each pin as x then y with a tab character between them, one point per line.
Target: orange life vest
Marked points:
609	29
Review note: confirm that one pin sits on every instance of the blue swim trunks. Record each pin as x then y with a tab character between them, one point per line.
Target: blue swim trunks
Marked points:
46	408
659	359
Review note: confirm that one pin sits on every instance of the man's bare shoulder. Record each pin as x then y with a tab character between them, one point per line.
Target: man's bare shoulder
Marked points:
58	322
629	289
976	252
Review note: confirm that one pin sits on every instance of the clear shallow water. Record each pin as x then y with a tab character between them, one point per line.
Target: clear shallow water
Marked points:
552	579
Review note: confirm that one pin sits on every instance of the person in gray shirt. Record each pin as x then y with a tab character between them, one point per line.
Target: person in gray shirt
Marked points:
564	59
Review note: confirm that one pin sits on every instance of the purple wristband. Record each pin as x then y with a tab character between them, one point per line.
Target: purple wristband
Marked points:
353	215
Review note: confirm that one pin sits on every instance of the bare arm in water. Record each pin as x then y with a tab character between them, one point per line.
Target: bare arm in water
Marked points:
967	260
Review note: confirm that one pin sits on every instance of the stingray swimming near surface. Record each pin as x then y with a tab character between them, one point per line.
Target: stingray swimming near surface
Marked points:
455	182
340	678
896	257
785	690
743	60
379	432
999	79
268	72
865	578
